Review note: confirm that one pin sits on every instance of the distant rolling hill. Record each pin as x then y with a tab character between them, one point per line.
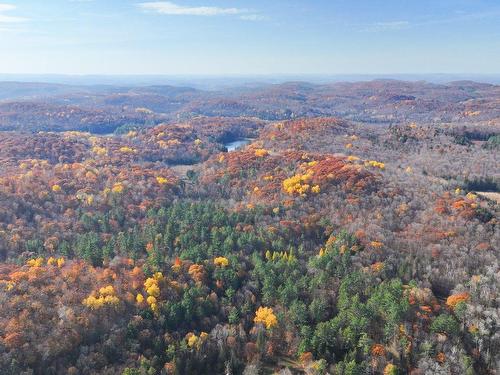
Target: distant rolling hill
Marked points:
103	108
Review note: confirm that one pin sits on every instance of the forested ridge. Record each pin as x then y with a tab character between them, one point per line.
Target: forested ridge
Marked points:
326	245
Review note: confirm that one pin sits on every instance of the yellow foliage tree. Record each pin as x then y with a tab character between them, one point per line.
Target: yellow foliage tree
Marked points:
151	299
153	290
105	297
101	151
375	164
266	316
117	188
161	180
194	341
390	369
139	299
37	262
221	261
298	184
127	150
260	152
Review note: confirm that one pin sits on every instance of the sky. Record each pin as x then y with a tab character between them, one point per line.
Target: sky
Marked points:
261	37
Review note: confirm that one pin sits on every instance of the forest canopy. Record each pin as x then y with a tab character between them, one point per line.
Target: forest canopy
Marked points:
325	245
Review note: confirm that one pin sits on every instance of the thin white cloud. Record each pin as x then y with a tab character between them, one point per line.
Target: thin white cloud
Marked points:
169	8
252	17
462	16
393	24
6	18
459	16
390	25
5	7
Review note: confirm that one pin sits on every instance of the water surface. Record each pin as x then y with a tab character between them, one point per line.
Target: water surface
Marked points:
234	145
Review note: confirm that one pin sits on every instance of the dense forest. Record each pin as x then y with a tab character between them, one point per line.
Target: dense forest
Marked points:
351	244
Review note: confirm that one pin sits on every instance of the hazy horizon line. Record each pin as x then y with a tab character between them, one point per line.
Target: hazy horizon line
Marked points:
216	81
243	74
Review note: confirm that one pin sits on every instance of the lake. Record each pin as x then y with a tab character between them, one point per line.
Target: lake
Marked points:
234	145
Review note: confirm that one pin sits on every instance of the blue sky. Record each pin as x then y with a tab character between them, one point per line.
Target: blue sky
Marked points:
249	37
